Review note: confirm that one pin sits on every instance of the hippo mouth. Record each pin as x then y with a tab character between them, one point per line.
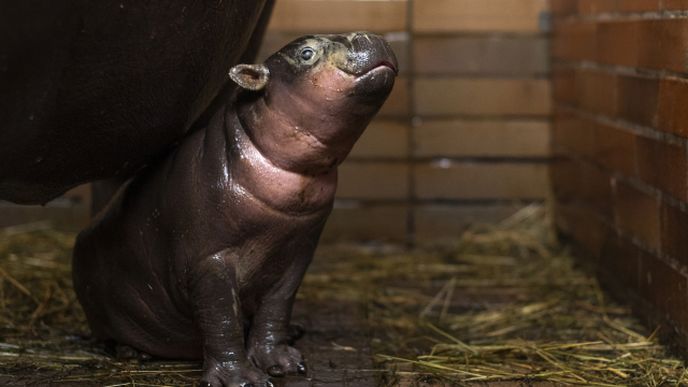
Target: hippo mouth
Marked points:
388	64
377	82
380	66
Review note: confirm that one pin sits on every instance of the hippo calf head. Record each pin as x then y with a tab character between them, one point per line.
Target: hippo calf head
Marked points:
309	102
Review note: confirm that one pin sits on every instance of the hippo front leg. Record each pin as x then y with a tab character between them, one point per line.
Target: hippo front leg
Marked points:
269	335
217	312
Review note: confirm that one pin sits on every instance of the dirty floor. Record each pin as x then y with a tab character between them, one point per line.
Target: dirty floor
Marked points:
499	306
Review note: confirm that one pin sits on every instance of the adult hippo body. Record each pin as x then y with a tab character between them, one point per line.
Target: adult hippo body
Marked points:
213	241
96	89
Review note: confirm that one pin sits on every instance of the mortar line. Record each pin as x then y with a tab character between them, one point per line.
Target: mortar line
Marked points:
619	16
614	69
635	128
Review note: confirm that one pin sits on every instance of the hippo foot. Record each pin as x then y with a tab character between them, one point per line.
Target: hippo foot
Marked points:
278	360
218	374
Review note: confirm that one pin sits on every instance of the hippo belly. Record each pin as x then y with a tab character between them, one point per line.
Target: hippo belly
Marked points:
132	264
127	297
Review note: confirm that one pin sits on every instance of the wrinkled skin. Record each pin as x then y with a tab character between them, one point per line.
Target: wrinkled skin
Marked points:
201	255
94	90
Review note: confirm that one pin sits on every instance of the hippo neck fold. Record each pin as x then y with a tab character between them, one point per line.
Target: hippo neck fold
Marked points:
296	137
255	174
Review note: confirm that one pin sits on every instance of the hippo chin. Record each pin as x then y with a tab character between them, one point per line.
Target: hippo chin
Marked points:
201	254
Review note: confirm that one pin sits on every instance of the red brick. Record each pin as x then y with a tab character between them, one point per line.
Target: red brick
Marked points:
564	86
656	44
596	188
638	5
672	114
674	233
565	174
596	91
571	134
562	8
617	42
637	100
637	214
662	44
675	5
621	259
575	40
584	226
615	149
665	288
663	165
583	184
596	6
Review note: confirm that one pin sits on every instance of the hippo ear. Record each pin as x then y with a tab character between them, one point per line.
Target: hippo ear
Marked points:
250	76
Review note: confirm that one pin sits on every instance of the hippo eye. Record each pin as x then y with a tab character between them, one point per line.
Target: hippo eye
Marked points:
307	54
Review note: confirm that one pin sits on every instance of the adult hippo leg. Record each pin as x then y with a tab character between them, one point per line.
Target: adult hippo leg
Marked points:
221	324
256	41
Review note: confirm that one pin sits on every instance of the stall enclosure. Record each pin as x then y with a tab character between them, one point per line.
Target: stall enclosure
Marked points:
578	105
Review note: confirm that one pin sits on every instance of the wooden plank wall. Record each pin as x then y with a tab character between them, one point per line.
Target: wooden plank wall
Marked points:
480	111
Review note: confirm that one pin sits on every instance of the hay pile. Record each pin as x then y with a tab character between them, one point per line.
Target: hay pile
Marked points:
501	303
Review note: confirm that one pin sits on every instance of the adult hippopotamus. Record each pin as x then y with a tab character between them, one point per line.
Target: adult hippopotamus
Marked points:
201	254
95	89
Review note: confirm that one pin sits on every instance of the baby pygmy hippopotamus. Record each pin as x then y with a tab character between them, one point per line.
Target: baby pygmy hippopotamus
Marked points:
201	254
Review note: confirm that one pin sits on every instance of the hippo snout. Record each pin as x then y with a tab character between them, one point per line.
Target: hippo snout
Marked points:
368	51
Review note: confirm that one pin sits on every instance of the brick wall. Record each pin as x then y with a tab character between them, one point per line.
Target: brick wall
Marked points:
465	133
620	135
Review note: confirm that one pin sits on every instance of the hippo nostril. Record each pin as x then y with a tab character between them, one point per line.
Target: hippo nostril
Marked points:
358	34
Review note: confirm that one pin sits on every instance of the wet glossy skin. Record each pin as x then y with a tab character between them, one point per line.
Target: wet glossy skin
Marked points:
214	240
